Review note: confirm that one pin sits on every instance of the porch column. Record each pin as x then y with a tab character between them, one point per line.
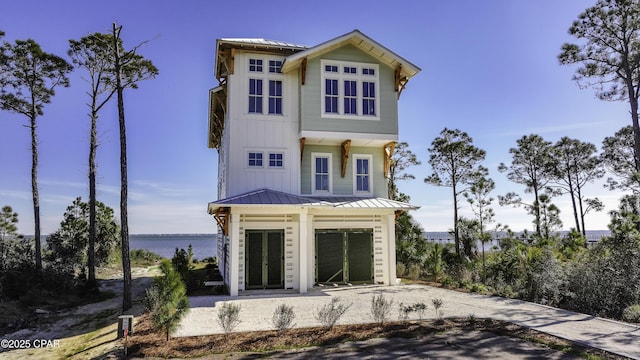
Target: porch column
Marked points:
303	246
391	238
234	257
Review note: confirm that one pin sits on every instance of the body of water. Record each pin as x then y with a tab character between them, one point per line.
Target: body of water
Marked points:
204	245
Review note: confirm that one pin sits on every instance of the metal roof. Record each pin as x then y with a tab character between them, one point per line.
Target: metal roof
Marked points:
268	197
360	40
262	42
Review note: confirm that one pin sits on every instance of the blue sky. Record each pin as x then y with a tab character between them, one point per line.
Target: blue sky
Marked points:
488	67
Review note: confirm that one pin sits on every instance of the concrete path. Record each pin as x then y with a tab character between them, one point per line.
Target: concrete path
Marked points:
256	312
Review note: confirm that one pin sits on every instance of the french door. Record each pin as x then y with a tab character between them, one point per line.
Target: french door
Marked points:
264	259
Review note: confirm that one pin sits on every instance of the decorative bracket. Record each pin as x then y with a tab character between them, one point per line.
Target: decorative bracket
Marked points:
388	154
302	140
222	218
400	81
346	146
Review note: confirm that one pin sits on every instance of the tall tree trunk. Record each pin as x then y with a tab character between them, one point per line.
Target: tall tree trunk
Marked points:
536	210
572	193
633	103
91	265
124	223
456	234
34	191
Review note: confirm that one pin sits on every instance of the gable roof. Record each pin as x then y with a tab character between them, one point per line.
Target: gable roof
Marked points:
268	197
364	43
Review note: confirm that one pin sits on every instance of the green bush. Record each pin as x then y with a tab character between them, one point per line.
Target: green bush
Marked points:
400	269
329	314
168	301
283	318
631	313
380	308
229	317
414	271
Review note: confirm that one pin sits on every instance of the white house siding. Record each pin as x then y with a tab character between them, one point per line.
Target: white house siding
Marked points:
264	133
299	225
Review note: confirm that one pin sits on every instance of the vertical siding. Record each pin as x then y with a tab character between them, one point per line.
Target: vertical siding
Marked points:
265	133
343	186
311	98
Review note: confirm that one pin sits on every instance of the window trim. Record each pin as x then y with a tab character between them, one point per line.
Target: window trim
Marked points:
248	163
281	160
266	76
329	157
342	76
369	158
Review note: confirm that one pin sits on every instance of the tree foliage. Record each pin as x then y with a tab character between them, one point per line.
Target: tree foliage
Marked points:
68	246
28	83
402	159
167	301
609	55
619	159
576	165
91	53
455	163
530	166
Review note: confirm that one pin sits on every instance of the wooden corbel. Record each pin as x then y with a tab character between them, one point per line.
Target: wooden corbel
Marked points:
400	81
222	218
388	154
346	146
302	140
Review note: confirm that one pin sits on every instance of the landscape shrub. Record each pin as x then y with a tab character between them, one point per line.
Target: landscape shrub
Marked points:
329	314
545	279
414	271
229	317
400	269
406	310
283	317
631	313
380	308
168	301
437	305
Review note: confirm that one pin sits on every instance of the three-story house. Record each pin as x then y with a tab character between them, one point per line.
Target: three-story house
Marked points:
305	137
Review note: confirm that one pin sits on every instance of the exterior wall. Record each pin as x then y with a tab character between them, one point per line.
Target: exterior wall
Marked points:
259	132
343	186
312	98
299	227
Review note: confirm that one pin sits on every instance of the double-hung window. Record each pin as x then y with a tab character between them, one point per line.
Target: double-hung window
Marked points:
350	88
265	76
362	174
321	178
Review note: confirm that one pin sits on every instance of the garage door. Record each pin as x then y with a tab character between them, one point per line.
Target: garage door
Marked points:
344	256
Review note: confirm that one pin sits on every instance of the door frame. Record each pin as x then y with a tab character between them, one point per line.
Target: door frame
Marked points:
264	260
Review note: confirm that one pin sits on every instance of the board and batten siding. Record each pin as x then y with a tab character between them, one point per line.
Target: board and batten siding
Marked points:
260	132
311	98
340	185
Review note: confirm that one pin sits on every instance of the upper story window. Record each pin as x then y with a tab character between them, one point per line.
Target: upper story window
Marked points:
255	65
269	82
362	174
350	88
255	159
276	160
321	178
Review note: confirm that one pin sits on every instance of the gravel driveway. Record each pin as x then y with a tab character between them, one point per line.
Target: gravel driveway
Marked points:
256	311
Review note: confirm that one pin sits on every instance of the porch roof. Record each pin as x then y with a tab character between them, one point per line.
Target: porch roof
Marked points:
268	197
